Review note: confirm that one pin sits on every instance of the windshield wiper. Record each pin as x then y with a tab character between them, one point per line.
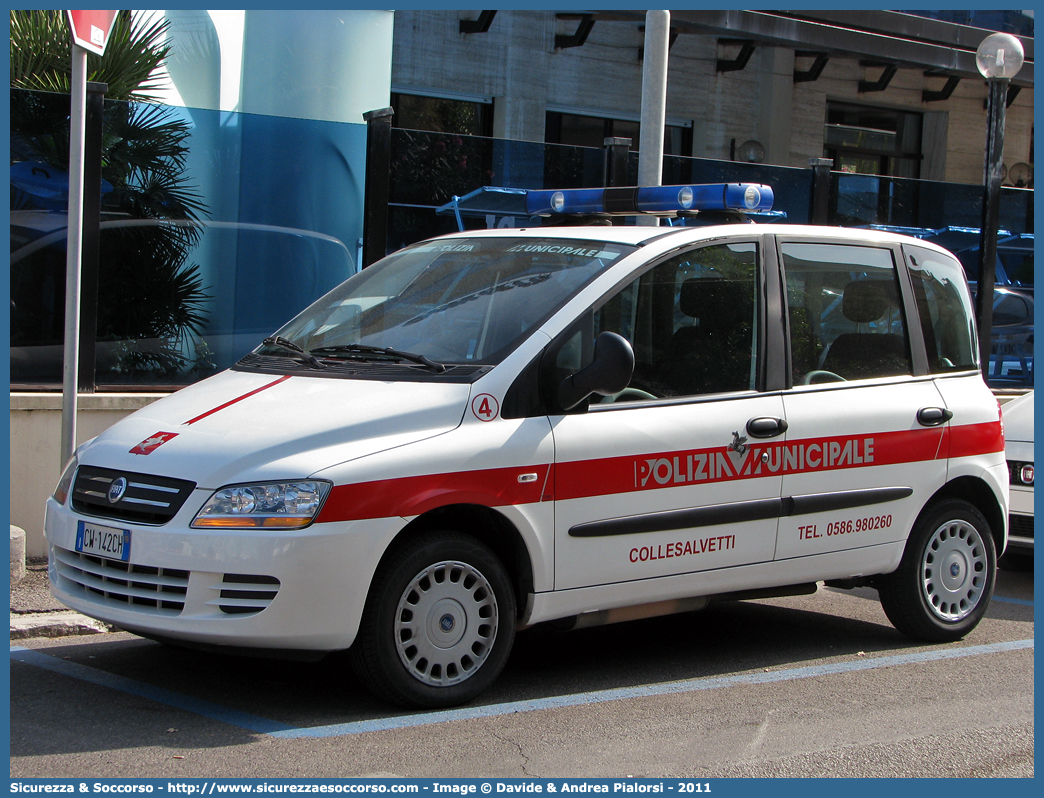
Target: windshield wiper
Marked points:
284	343
362	351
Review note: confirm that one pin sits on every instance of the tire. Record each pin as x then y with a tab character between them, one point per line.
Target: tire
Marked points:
438	624
945	581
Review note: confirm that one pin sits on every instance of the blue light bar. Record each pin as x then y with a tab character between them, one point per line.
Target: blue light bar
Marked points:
743	197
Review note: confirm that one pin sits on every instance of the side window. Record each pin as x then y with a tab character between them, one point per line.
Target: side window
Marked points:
944	305
692	321
846	319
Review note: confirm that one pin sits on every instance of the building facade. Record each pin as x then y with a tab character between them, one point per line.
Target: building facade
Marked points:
879	92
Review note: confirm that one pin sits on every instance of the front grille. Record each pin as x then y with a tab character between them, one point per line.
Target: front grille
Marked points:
1015	472
1020	526
158	591
243	594
147	499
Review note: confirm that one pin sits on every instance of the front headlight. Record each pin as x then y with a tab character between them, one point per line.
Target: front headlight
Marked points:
61	491
282	505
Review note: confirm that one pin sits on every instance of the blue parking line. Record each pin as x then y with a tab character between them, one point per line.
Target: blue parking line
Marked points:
198	706
1006	600
283	731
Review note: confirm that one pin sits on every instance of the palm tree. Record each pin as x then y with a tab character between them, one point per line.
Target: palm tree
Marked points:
153	295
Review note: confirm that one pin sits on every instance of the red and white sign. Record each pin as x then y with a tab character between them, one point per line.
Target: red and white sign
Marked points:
149	445
485	407
91	29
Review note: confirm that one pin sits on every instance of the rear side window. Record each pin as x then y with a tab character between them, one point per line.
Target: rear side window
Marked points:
845	314
944	305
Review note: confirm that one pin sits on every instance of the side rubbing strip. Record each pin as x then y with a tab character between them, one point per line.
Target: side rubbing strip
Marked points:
738	512
842	500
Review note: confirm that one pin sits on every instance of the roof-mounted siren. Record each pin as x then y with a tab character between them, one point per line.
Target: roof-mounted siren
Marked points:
656	200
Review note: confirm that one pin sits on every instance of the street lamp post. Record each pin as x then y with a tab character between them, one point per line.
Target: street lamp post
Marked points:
999	58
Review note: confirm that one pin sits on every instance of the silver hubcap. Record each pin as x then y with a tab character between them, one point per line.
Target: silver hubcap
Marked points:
954	570
446	623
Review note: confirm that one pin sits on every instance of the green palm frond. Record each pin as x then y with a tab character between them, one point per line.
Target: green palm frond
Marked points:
144	137
40	55
156	299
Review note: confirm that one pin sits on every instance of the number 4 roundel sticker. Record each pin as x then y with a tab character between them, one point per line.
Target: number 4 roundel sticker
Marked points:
485	407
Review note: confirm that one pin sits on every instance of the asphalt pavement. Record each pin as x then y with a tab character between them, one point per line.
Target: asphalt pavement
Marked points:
803	686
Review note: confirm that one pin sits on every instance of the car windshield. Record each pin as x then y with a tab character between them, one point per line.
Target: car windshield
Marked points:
460	300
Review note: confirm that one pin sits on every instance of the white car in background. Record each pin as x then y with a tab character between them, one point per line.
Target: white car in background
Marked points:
1018	449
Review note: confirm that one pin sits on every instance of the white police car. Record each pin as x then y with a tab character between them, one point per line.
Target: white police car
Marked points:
1018	447
494	429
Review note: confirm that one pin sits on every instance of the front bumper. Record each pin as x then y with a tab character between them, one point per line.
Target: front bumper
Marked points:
300	590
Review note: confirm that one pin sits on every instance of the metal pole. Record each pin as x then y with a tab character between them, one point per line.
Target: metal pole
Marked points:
990	217
616	150
614	172
90	244
378	171
654	103
70	363
820	210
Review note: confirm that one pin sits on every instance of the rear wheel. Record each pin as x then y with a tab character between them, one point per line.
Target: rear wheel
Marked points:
439	622
945	581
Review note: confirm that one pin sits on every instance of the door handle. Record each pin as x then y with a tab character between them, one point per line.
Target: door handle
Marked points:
933	416
766	427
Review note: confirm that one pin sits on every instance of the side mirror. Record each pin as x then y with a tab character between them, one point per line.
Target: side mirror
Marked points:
609	372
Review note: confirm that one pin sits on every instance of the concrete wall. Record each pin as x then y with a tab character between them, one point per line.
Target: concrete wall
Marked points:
516	63
305	64
36	432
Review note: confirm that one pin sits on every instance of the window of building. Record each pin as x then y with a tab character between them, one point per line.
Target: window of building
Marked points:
873	141
442	114
580	130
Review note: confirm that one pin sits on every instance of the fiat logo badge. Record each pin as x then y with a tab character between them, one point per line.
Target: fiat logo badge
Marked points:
117	489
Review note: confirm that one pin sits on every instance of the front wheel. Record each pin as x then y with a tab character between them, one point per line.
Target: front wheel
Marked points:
438	624
945	581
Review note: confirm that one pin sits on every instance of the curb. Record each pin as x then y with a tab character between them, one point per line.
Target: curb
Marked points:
55	624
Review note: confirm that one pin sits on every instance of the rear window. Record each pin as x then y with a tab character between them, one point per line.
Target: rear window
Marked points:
944	305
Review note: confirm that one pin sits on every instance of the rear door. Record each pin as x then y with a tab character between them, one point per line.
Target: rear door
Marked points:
865	444
667	478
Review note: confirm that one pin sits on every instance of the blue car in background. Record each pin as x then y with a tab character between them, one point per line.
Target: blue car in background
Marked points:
1011	351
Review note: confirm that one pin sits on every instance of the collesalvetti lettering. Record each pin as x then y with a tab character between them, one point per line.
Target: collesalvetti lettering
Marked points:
683	549
724	463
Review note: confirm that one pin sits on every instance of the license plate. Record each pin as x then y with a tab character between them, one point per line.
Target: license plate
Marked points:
104	541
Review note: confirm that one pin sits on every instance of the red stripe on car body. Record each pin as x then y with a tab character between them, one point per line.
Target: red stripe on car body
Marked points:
407	496
231	402
498	487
